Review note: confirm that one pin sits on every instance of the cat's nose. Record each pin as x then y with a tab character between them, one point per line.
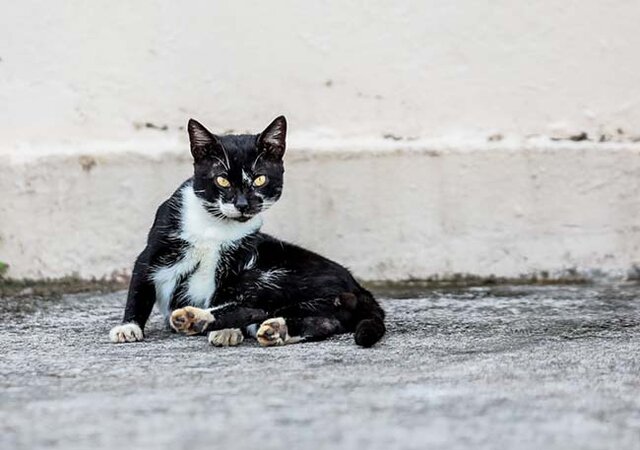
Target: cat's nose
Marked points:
241	203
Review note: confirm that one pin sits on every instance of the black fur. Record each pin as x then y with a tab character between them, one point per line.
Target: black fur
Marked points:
258	276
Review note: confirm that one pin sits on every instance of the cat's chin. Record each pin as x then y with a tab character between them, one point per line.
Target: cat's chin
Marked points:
242	219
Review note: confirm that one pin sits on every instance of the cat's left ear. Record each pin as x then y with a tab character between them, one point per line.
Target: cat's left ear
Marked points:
273	139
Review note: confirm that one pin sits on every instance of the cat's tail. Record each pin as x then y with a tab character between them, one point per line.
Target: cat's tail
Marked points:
368	317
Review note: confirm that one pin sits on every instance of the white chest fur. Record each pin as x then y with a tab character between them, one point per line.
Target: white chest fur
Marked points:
207	238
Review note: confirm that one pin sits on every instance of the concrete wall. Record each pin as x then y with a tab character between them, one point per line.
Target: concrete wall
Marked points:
392	211
425	123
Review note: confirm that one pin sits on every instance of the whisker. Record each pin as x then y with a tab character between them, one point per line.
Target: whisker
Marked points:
226	166
256	160
226	156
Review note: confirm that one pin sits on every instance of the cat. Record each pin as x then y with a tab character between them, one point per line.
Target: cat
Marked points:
211	271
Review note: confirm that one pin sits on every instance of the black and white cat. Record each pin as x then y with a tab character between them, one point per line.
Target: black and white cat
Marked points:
210	270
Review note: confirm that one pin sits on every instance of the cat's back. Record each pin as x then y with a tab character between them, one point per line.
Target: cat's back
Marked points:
274	251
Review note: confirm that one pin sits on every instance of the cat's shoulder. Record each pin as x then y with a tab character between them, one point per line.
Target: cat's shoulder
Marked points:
174	202
167	217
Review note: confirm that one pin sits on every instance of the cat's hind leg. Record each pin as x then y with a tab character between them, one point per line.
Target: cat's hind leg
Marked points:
284	331
317	319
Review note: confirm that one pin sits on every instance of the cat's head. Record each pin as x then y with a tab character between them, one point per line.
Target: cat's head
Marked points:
238	176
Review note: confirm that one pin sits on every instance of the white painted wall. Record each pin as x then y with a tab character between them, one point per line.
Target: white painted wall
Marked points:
90	70
81	174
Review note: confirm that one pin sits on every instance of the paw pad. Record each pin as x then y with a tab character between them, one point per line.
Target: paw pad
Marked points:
190	320
273	332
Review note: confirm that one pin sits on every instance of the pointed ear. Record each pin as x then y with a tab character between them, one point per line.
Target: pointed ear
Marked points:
273	138
204	144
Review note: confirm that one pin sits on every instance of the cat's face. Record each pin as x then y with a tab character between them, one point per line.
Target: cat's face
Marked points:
239	176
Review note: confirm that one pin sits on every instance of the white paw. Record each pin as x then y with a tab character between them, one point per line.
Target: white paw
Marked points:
273	332
127	332
225	338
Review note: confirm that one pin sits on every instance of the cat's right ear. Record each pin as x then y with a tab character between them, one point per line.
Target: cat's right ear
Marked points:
204	144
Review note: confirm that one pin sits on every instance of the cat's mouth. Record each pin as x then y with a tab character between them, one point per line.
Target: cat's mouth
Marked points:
238	216
242	217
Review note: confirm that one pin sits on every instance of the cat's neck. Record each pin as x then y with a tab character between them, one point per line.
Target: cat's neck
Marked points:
199	227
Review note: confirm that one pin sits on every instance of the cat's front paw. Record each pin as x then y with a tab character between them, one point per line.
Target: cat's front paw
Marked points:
228	337
273	332
190	320
127	332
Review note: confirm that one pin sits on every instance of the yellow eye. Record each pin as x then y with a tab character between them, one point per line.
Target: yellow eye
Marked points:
222	182
260	181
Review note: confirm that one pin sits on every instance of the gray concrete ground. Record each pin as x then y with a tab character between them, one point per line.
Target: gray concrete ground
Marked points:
501	367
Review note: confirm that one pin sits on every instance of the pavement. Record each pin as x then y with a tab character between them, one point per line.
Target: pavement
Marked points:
551	367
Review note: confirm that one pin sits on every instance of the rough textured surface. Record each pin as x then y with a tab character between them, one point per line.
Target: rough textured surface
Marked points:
502	367
388	211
